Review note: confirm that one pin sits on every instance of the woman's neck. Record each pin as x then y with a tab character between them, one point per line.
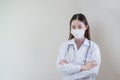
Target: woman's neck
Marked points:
79	42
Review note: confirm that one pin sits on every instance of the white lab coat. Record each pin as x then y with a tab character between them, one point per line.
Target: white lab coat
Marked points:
71	70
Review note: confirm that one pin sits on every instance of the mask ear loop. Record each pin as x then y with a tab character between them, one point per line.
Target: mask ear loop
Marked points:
85	61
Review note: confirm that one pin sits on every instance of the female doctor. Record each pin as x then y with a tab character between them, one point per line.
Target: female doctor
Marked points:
79	57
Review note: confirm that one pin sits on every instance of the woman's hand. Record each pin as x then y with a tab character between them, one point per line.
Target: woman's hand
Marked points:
62	62
89	65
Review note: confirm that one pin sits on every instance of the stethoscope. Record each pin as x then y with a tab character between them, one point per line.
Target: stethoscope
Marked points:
71	52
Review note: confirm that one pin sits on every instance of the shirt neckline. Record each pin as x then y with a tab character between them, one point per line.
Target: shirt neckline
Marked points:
85	43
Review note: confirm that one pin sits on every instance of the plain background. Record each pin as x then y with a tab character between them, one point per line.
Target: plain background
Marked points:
31	32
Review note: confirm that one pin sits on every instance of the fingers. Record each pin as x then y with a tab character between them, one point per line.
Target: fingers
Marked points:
62	62
91	64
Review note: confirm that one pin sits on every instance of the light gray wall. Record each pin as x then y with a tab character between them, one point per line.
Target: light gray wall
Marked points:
31	32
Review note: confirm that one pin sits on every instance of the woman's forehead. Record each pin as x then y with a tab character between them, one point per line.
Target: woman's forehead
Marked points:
77	22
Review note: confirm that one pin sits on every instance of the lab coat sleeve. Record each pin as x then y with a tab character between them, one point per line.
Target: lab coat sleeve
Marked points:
94	71
66	68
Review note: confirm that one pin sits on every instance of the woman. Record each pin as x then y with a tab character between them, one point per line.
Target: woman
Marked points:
79	57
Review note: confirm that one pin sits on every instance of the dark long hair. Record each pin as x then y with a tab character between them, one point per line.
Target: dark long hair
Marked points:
83	19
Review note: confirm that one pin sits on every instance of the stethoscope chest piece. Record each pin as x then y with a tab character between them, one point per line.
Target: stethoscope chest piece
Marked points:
84	62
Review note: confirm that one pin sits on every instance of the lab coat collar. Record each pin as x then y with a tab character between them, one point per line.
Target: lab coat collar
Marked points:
86	42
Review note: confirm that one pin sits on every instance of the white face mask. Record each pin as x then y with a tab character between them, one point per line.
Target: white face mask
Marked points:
78	34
